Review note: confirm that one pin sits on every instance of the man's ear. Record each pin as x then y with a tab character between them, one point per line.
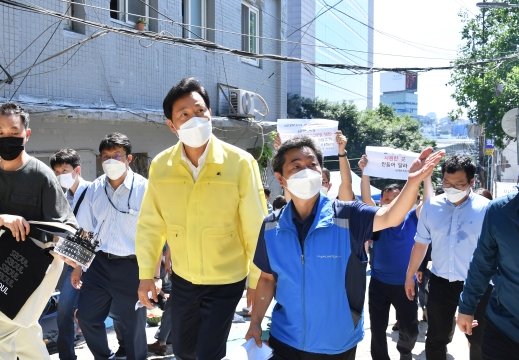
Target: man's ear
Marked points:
169	123
329	186
280	179
78	170
27	135
130	158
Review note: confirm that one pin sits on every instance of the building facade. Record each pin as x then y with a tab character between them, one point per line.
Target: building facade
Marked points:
399	91
117	82
340	34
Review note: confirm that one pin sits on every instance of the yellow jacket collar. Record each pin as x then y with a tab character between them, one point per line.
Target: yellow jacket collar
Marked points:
214	155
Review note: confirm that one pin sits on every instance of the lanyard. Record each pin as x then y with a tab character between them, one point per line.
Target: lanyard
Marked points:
130	211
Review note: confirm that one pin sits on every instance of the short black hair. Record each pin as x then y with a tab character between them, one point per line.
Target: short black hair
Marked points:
65	156
327	173
113	140
457	163
10	108
279	202
266	190
391	187
298	142
439	191
484	192
183	87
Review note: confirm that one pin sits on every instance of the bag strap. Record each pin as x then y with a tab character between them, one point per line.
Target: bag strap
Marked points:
79	201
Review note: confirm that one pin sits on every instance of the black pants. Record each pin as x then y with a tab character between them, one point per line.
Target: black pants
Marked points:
284	352
202	317
442	303
110	287
381	297
497	345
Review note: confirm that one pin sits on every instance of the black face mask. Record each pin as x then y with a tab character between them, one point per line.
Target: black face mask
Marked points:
10	147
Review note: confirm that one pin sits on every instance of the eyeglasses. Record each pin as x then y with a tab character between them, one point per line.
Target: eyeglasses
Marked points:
117	157
447	185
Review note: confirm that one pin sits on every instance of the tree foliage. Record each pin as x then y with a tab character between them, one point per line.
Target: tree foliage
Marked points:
491	34
378	127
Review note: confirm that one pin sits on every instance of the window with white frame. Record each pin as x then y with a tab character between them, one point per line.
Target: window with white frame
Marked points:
78	11
194	18
129	10
250	31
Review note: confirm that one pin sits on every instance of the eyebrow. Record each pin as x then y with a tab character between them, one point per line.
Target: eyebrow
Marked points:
198	103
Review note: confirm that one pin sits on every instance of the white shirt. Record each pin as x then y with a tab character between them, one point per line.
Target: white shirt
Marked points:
195	170
115	222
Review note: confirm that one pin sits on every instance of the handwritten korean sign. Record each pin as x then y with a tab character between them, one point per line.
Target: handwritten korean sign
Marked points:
385	162
320	129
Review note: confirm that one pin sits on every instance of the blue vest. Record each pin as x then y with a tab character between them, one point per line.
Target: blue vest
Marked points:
320	289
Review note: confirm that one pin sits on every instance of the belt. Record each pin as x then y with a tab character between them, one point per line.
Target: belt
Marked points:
116	257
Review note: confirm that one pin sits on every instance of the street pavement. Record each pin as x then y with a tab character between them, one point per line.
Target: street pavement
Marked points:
458	349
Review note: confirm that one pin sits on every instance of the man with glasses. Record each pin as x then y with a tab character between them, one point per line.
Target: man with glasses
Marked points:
110	209
451	222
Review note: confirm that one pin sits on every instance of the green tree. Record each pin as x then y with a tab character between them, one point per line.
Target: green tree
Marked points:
491	34
378	127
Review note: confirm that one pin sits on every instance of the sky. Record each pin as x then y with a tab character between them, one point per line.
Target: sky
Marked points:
433	23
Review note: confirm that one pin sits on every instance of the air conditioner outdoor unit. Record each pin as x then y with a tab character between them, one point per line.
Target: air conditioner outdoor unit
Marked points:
242	103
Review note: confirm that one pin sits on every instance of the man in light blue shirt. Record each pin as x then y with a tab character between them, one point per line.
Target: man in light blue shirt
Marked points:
451	222
110	209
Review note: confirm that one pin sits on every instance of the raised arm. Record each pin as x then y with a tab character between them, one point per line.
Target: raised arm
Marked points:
428	192
345	189
420	169
365	189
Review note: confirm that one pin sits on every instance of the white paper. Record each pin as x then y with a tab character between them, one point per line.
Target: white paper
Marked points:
250	351
321	130
389	163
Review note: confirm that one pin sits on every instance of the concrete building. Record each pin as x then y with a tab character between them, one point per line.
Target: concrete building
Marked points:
118	83
340	35
399	91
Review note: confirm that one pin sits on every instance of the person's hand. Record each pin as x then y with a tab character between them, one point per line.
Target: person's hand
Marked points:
277	141
424	165
419	276
341	141
363	162
158	285
75	278
466	323
250	297
409	288
18	225
254	332
146	286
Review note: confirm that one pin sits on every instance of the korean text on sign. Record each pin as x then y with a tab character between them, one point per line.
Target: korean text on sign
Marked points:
388	163
320	129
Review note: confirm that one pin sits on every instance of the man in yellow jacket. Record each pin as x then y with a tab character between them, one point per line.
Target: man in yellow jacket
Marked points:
206	198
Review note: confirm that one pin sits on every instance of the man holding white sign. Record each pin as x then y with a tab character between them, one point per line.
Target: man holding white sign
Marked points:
391	252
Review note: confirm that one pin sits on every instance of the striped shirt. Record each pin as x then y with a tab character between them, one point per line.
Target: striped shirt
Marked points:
113	214
73	198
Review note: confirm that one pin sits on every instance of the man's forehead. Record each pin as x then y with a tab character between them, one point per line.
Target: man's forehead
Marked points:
11	121
116	148
304	151
187	100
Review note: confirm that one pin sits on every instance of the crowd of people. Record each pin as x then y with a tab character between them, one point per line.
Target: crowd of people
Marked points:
202	229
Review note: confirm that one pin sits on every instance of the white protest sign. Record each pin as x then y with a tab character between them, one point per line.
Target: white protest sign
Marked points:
505	188
320	129
388	163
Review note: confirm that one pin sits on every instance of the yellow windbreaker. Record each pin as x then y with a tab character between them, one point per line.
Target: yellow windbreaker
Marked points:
212	225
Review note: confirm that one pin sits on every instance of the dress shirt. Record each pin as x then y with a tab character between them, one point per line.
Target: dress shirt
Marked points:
73	198
453	231
115	229
195	170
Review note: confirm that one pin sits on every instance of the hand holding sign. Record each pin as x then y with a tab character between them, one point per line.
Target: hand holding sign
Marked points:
423	167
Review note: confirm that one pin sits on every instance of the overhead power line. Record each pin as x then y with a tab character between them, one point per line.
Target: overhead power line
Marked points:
173	40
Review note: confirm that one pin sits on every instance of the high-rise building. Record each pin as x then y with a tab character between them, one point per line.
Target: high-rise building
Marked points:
399	91
331	32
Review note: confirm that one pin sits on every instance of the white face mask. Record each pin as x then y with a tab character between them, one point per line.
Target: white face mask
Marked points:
324	190
114	169
66	180
455	195
195	132
305	184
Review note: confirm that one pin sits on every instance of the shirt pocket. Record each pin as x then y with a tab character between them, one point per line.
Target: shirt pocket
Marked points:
222	250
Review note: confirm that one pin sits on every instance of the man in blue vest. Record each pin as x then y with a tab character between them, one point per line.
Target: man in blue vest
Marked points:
312	256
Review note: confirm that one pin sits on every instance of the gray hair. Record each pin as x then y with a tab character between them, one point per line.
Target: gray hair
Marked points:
10	108
298	142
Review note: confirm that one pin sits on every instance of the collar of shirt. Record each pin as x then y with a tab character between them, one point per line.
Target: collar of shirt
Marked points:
73	198
195	170
303	226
